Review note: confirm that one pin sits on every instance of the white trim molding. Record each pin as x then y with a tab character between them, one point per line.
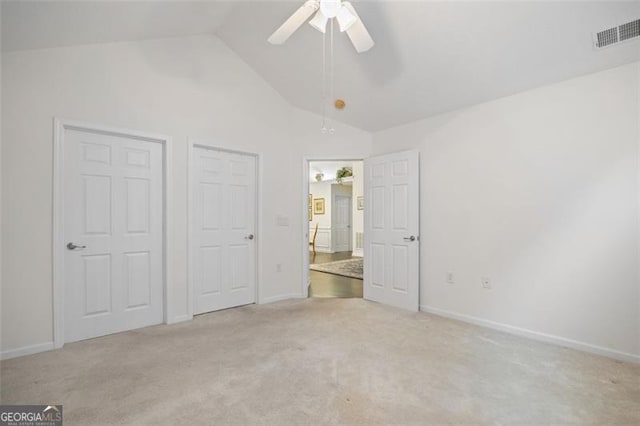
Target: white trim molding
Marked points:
534	335
326	232
59	127
27	350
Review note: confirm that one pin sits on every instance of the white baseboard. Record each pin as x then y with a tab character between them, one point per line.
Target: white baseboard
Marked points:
27	350
180	318
357	253
535	335
281	297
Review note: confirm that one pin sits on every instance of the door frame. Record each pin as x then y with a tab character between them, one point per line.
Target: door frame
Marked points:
217	145
306	276
58	237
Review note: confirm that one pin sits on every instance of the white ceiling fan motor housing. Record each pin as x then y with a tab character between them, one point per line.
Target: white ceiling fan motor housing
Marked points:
330	8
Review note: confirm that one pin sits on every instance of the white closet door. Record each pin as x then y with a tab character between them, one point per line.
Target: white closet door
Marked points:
113	226
392	247
223	246
342	223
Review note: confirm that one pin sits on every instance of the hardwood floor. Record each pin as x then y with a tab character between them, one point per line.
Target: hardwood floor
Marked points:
329	285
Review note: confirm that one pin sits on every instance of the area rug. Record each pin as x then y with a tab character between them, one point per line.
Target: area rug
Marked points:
351	268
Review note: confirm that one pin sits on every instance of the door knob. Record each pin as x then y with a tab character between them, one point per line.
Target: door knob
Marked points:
72	246
411	238
249	237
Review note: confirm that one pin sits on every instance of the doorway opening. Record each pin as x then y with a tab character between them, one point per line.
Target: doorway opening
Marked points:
335	195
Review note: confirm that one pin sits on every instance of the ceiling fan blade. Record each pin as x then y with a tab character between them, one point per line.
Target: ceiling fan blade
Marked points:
357	32
294	22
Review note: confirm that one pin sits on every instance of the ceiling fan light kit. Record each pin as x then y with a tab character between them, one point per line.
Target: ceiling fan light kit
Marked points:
330	8
344	17
325	12
319	22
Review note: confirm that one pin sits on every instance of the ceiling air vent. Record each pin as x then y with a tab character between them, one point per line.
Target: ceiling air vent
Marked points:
615	35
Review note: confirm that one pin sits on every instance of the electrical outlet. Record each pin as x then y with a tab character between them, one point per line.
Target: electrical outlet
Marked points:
450	278
486	283
279	267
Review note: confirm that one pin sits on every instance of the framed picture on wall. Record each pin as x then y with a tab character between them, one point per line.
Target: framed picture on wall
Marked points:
318	206
360	204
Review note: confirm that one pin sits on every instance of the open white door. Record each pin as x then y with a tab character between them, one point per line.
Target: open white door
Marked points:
391	223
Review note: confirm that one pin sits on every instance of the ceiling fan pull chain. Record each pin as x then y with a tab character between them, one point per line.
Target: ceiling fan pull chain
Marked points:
323	129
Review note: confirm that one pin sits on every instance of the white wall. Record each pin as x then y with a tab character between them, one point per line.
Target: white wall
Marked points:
538	192
323	221
327	168
182	87
321	190
346	142
325	241
1	56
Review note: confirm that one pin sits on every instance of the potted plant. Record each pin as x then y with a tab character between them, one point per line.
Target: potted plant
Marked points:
343	173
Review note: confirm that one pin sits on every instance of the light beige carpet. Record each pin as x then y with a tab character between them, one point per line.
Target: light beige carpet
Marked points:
323	361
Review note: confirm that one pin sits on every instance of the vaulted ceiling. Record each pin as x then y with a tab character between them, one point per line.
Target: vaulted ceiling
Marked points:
430	57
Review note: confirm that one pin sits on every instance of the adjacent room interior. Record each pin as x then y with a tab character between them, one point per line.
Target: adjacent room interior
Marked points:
320	212
336	228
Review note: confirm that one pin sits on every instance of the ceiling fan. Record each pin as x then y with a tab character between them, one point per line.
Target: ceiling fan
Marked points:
342	11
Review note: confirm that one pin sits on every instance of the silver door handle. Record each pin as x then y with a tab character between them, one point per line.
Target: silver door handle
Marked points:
411	238
72	246
249	237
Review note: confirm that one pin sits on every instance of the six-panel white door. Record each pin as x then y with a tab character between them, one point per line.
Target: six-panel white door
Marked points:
342	223
391	252
223	242
113	227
